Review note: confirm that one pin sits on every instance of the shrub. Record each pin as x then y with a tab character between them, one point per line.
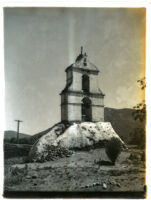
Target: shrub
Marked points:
113	148
49	153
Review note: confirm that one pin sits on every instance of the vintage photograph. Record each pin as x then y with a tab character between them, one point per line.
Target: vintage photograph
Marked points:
75	109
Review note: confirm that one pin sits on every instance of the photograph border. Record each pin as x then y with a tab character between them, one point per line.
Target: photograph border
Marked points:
147	5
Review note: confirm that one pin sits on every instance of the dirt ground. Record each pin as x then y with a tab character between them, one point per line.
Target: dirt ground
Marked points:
79	172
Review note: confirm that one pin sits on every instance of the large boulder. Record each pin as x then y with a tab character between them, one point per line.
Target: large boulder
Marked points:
86	134
58	142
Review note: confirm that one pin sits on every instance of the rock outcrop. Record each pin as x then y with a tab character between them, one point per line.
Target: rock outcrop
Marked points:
59	142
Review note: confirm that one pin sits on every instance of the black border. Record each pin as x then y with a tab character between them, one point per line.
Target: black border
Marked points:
36	194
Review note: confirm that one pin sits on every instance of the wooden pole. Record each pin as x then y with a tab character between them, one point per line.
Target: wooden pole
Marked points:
18	124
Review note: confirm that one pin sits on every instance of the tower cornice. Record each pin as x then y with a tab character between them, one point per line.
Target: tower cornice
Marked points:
80	93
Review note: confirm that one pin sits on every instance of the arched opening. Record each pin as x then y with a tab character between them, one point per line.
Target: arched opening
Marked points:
85	83
86	109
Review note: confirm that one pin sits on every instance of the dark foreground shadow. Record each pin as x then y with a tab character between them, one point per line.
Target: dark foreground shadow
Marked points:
104	162
17	194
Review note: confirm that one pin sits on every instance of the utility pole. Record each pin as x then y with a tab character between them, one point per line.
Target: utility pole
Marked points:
18	123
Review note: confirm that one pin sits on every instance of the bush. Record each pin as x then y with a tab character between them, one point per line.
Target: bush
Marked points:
113	148
50	153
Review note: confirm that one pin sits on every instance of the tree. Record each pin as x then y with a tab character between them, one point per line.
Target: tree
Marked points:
138	137
139	114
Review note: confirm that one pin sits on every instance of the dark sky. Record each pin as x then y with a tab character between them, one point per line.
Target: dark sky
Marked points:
41	42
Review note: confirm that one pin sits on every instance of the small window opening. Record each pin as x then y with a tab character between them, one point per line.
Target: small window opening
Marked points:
85	83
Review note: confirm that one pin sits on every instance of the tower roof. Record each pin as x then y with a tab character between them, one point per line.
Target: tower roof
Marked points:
82	62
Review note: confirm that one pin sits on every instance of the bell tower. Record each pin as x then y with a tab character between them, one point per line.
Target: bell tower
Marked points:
81	99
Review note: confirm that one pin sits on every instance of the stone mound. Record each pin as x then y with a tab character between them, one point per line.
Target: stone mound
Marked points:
58	142
86	134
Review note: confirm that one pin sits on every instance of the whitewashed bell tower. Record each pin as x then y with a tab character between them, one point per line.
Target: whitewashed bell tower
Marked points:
81	99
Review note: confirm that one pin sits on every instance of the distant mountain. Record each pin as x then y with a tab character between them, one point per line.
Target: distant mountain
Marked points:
121	119
123	122
13	134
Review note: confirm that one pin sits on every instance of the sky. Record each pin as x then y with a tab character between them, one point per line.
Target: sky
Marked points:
39	43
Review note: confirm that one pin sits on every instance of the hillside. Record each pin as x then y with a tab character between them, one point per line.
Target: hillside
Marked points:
122	122
13	134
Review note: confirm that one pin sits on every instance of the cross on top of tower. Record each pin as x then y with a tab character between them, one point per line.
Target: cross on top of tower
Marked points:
82	56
